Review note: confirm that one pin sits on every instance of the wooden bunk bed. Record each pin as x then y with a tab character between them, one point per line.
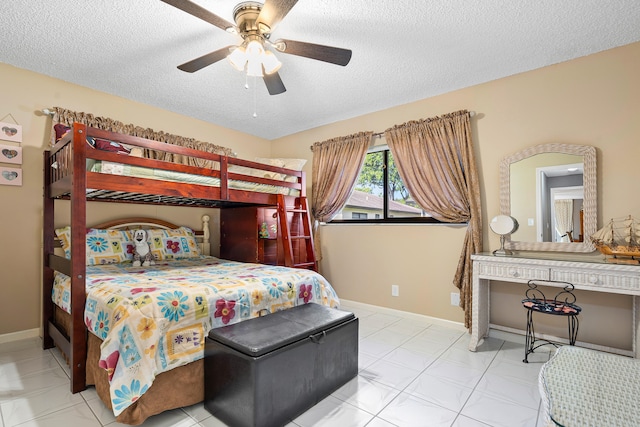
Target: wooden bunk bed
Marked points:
75	170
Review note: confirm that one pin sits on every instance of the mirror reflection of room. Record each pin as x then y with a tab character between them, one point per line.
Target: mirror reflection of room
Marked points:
547	195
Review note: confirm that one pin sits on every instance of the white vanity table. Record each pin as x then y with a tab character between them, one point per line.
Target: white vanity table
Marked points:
590	274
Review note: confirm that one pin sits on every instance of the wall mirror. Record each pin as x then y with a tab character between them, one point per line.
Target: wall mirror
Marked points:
550	189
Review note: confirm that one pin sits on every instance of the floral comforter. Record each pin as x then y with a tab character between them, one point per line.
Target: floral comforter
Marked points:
153	319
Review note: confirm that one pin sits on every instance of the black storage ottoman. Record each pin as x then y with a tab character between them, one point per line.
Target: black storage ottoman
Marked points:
266	371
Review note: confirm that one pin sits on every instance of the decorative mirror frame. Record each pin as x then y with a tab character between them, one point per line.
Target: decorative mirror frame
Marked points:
590	201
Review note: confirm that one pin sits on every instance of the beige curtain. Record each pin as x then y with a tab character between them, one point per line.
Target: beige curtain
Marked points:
68	117
563	210
436	162
336	166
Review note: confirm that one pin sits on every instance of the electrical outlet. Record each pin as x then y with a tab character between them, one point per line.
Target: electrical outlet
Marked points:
395	290
455	298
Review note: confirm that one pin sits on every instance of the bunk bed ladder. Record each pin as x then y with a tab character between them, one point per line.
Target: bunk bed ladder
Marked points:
294	224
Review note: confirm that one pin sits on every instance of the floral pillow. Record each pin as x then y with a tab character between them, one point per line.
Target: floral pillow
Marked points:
166	244
102	246
114	246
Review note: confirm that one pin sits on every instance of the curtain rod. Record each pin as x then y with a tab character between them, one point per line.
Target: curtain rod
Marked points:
381	134
48	112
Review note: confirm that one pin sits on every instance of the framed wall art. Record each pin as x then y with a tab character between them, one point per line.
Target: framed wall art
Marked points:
10	132
10	154
10	176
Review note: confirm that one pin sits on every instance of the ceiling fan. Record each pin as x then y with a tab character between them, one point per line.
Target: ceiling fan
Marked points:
254	22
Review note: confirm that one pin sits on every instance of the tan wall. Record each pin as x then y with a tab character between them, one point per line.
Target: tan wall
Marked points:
593	100
24	94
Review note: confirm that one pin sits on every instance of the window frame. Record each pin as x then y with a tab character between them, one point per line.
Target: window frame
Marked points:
385	200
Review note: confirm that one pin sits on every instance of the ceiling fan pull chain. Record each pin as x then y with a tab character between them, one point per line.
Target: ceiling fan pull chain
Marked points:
255	97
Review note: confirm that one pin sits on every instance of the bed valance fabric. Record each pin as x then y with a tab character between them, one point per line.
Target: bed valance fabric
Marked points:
68	117
437	164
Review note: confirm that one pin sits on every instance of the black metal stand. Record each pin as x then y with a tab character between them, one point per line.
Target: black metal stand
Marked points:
563	304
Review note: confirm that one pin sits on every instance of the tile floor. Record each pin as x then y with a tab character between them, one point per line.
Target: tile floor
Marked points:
412	373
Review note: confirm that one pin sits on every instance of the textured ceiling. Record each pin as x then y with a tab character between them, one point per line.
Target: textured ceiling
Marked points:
403	51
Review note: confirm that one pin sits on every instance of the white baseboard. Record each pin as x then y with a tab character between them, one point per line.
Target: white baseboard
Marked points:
511	335
21	335
405	314
499	331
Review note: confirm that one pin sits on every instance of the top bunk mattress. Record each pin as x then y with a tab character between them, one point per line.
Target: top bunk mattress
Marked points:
165	175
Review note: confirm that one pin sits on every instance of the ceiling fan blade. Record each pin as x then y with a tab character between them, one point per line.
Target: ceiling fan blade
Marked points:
205	60
200	12
274	83
273	11
333	55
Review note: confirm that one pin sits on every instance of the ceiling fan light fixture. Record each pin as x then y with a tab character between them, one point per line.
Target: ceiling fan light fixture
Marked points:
270	62
238	58
254	50
258	59
254	68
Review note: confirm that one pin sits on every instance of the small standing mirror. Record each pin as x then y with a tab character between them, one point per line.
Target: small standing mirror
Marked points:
503	225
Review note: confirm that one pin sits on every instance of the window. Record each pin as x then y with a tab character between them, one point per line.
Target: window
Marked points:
379	195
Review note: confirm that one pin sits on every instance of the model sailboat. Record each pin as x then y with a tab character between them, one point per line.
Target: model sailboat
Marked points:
619	240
